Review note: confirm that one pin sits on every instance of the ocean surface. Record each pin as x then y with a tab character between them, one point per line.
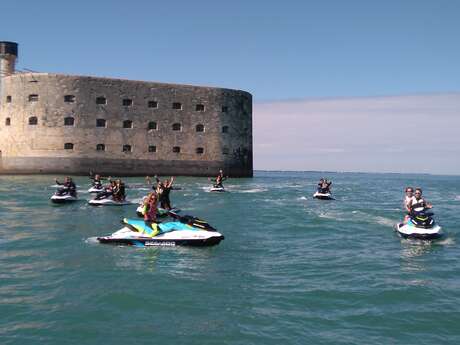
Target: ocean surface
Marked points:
291	270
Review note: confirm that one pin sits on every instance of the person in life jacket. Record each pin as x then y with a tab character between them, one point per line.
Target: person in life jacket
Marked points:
407	201
119	193
68	186
97	180
150	208
417	202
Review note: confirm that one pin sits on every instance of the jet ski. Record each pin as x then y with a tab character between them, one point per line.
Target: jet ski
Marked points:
217	188
106	199
323	195
420	225
62	195
96	188
183	231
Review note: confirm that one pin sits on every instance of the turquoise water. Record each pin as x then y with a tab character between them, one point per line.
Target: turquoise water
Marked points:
291	269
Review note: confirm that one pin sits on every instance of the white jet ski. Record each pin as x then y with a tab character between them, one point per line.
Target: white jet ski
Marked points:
217	188
420	225
185	231
323	196
96	189
62	196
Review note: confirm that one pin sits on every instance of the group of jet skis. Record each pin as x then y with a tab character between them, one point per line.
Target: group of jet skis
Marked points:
174	230
418	222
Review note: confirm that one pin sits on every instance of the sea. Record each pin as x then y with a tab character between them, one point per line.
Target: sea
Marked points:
291	270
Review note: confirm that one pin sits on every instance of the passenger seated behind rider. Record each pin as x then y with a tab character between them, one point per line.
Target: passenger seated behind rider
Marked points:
163	190
417	201
119	193
68	185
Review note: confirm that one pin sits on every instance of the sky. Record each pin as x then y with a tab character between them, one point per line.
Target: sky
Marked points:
282	52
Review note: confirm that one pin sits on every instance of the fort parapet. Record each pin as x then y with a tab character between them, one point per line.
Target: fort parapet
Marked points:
53	123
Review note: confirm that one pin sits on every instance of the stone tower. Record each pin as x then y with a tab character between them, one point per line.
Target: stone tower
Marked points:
8	55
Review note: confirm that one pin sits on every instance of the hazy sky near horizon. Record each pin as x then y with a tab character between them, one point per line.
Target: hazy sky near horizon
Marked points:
405	134
317	69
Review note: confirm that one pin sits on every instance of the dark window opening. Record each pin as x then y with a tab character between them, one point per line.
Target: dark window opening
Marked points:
177	105
8	99
33	120
225	129
153	104
101	123
100	147
68	146
69	121
225	109
176	127
101	100
8	121
69	98
225	151
33	98
152	125
127	124
199	128
127	102
127	148
199	107
152	148
176	149
199	150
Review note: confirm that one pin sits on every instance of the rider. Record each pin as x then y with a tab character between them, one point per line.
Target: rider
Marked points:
407	200
219	179
68	186
324	186
119	193
417	201
150	208
97	180
163	190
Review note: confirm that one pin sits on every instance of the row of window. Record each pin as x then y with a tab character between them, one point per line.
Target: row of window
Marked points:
152	125
126	102
151	148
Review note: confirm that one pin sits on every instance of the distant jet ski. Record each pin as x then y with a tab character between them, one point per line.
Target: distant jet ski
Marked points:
217	188
62	195
106	199
185	231
420	225
96	188
323	196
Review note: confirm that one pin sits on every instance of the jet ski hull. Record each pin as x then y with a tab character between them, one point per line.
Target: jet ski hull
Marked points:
108	202
217	189
410	231
95	190
58	199
195	238
323	196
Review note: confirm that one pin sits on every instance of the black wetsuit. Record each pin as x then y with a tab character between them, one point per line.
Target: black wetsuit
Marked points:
69	187
164	198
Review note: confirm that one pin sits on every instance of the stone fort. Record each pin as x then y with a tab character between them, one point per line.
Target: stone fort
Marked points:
64	124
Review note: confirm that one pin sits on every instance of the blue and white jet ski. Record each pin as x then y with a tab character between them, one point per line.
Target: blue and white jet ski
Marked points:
184	231
161	212
62	196
420	226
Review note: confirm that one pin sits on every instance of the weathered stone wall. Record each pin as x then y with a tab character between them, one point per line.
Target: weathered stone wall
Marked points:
28	148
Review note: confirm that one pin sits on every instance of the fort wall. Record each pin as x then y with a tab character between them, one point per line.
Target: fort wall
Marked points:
53	123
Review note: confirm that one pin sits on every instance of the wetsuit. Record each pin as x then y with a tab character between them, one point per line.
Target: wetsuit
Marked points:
164	198
69	187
